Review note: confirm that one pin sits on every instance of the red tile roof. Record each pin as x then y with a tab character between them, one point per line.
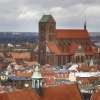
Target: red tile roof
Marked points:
95	96
90	50
24	55
54	48
20	95
64	92
71	34
3	65
73	47
87	80
57	50
23	74
84	68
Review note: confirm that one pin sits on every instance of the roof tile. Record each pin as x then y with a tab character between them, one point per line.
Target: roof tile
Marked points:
71	34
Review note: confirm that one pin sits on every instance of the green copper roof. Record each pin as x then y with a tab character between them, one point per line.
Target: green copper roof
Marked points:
46	18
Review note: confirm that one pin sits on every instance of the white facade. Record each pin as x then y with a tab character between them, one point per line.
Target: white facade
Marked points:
36	77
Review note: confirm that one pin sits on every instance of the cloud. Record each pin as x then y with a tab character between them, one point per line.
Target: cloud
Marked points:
23	15
93	10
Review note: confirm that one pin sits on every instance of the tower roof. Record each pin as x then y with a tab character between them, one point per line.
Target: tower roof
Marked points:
47	18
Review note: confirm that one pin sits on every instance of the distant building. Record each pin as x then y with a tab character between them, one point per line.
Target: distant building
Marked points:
21	56
60	46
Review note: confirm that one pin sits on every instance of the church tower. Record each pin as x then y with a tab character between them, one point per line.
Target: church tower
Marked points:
47	26
37	79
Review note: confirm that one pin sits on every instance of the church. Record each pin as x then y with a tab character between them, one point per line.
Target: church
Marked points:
62	46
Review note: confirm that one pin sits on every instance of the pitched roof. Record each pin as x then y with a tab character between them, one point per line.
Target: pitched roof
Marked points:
20	95
91	50
58	50
23	74
95	96
71	34
84	68
3	65
73	47
54	48
23	55
90	79
64	92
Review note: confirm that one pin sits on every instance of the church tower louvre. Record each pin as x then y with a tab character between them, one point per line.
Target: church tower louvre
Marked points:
47	26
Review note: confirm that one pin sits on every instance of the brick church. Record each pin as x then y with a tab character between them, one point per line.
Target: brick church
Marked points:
61	46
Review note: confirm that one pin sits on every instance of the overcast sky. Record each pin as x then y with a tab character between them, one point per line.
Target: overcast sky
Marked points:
23	15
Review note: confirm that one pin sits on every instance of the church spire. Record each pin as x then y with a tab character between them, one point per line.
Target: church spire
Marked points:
85	25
